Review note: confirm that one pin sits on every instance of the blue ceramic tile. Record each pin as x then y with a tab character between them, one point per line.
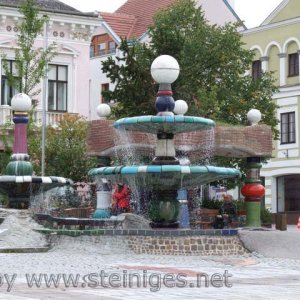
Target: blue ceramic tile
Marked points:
179	118
170	119
129	170
158	119
189	119
198	169
108	170
171	168
145	119
132	120
154	169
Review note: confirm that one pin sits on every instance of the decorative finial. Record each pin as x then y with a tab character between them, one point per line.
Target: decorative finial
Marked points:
181	107
21	103
165	69
254	116
103	110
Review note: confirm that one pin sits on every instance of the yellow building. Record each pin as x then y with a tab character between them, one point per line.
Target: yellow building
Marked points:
276	43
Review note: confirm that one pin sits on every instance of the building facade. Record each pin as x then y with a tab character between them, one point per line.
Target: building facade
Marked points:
276	44
69	72
131	21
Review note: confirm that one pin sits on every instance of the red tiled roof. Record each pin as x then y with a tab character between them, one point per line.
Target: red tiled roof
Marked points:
134	17
121	24
144	12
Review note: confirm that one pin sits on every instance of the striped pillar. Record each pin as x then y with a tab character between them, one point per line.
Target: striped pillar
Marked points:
20	164
253	191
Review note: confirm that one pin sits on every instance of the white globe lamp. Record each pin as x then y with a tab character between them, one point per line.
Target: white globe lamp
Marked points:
103	110
181	107
21	102
254	116
165	69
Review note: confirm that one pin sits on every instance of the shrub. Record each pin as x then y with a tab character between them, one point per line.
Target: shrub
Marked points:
211	203
265	216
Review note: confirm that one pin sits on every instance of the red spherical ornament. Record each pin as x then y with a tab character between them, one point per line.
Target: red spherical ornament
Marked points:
253	190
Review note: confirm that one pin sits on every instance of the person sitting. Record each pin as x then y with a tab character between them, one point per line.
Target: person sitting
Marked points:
226	214
121	199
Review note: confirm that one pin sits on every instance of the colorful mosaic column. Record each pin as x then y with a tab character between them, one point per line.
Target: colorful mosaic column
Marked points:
253	192
20	164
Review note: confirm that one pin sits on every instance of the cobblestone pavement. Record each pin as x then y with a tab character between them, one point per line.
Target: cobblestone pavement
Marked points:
250	276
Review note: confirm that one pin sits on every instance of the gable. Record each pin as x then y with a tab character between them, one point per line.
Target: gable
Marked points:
286	10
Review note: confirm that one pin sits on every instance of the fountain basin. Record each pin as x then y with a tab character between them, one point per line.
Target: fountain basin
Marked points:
166	124
161	177
20	188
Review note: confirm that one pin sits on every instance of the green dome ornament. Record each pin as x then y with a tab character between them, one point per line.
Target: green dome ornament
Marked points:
19	168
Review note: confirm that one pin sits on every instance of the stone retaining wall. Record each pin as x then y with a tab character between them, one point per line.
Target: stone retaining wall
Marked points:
201	245
156	245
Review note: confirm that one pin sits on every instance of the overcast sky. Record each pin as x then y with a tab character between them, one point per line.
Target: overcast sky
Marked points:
253	12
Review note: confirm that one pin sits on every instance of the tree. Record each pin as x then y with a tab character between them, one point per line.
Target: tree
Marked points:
131	73
213	65
66	149
30	61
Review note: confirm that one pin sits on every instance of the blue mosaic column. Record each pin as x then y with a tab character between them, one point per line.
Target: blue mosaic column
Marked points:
184	218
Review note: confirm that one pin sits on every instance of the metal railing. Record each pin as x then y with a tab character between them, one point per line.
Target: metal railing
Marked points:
101	53
52	117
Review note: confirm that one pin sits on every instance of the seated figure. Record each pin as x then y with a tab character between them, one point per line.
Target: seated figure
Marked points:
226	214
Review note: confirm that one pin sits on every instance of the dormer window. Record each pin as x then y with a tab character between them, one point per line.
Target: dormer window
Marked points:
101	49
112	47
92	51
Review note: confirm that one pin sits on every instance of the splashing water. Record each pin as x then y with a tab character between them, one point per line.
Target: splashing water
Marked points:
126	154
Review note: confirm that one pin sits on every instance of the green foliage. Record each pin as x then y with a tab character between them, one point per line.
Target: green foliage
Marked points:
213	65
240	205
7	141
131	74
211	203
30	61
3	200
265	216
66	152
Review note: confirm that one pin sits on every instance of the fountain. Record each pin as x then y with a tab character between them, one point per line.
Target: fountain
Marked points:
18	183
165	176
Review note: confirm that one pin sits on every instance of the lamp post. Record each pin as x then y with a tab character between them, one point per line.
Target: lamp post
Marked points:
45	96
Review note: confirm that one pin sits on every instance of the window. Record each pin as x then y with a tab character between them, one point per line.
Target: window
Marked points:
288	128
7	92
57	87
104	87
101	49
256	69
294	64
112	47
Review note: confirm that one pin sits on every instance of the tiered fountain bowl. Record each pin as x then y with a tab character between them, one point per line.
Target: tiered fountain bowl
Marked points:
165	176
19	183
